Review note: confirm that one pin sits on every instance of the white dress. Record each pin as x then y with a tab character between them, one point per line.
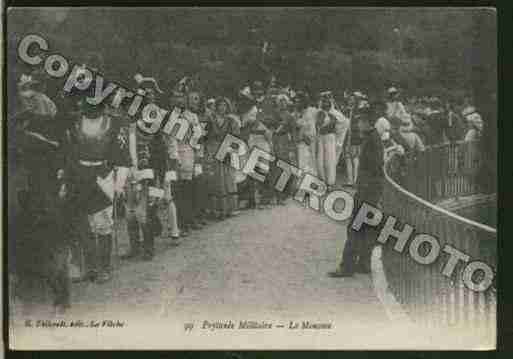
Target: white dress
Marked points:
307	153
330	146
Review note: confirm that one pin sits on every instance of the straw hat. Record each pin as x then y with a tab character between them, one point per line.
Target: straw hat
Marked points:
468	111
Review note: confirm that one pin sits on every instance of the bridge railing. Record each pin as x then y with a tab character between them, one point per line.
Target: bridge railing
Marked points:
412	188
443	171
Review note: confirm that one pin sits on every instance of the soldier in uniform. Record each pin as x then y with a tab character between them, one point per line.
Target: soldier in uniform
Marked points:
199	178
96	167
186	161
148	164
170	181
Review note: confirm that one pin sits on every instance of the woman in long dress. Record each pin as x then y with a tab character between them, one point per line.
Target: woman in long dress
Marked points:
331	127
306	139
257	134
475	124
223	189
284	137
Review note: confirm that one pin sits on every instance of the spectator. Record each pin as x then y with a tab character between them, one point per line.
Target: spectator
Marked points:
358	246
257	134
455	125
146	162
331	126
358	113
437	122
412	141
475	124
395	111
223	188
306	140
199	178
284	137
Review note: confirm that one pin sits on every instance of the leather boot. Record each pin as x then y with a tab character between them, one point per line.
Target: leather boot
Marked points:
105	249
149	243
135	244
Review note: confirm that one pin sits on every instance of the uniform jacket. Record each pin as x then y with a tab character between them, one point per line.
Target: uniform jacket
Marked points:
371	161
86	144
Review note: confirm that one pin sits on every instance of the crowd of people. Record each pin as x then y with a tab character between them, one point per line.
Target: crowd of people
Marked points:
76	169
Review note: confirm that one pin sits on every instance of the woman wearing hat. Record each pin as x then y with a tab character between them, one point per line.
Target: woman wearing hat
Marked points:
37	214
475	124
306	137
410	139
32	99
284	137
331	127
223	189
257	134
37	136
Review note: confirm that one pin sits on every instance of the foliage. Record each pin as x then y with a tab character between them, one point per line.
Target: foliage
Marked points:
320	48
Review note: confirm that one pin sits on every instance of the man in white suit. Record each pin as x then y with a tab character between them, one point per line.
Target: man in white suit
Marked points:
331	126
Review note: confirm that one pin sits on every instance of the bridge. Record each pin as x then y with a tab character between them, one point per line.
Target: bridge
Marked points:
438	193
271	265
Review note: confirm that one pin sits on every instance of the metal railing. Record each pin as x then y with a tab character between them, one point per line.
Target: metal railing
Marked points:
412	189
442	171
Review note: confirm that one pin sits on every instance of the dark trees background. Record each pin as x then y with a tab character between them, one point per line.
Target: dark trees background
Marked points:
421	50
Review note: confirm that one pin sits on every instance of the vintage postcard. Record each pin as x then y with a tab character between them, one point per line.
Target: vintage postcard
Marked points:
251	178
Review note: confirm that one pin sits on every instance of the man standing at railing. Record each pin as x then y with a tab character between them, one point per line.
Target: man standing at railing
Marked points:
358	246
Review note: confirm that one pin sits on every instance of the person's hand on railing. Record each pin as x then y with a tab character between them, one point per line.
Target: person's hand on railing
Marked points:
393	150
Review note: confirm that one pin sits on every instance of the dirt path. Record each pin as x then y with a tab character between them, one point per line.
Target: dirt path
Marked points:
261	265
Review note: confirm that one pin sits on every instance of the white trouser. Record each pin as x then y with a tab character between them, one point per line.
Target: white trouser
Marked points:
327	158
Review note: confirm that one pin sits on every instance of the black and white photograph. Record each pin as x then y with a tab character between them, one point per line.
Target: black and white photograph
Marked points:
251	178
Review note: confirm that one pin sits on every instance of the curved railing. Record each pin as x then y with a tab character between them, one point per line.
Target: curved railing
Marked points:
413	186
